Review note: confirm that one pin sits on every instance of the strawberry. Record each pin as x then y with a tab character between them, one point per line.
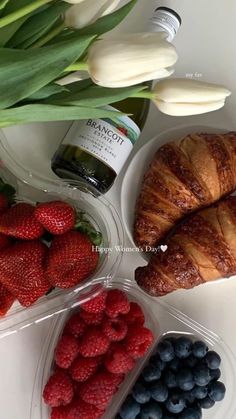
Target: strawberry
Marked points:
3	203
91	318
22	271
57	217
99	389
97	304
66	351
75	326
138	341
117	303
135	315
58	390
114	329
83	368
19	222
6	300
93	343
71	259
78	409
5	241
118	361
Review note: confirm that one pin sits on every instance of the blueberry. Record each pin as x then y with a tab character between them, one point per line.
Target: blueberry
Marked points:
189	397
190	362
201	375
183	347
171	340
159	392
184	379
156	360
213	360
215	374
206	403
130	408
191	413
216	391
166	351
141	394
175	403
174	365
200	392
170	379
151	373
199	349
151	410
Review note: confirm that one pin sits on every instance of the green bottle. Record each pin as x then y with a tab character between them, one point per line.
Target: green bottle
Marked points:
95	151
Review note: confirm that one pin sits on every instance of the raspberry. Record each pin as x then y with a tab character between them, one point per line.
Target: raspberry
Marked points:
117	303
91	318
114	329
78	409
135	315
66	351
59	412
119	362
139	339
83	368
93	343
99	389
97	304
58	390
75	326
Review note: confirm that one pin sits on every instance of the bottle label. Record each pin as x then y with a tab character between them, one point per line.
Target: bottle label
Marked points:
111	142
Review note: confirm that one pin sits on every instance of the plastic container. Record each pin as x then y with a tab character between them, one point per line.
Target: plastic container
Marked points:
163	320
105	219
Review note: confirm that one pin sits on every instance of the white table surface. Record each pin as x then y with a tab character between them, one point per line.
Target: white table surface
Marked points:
206	50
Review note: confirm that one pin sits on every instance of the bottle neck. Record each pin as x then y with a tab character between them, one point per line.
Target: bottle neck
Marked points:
165	20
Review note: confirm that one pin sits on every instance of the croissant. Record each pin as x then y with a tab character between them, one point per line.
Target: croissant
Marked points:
202	249
183	177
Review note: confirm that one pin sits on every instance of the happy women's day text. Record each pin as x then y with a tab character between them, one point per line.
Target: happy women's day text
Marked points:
106	250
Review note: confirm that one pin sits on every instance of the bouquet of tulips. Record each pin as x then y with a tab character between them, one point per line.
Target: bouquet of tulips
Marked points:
43	43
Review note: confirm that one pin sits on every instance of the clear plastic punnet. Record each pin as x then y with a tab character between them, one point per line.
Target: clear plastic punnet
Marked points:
164	320
100	213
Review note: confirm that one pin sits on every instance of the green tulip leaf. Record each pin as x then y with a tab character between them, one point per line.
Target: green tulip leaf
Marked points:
3	4
24	72
44	113
47	91
38	23
95	96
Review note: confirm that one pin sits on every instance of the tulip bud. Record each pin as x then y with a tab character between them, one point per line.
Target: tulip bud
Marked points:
74	1
183	97
130	59
86	12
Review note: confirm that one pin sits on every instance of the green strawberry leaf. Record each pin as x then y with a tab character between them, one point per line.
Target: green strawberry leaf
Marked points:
85	227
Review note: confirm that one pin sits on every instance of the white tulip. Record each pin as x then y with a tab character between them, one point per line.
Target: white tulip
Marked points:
184	97
86	12
130	59
74	1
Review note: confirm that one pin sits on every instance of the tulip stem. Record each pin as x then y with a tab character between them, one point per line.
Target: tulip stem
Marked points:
23	11
79	65
145	94
52	34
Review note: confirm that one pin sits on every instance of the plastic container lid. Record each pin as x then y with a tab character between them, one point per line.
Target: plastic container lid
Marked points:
163	320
